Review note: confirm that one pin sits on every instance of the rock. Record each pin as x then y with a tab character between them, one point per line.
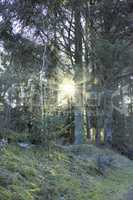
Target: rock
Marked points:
23	145
3	143
130	153
62	197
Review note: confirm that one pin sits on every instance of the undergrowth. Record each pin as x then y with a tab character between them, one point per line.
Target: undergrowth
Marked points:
36	174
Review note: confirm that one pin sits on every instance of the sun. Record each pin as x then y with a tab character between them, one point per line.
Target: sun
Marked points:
67	91
68	87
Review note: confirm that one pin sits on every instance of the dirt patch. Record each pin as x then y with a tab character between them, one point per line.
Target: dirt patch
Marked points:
129	195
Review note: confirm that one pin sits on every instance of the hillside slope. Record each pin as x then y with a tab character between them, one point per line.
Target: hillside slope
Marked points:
70	173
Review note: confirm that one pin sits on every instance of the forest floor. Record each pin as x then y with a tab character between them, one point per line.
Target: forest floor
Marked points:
64	173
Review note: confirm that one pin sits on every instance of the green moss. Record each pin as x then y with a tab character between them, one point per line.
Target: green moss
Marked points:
20	193
32	174
27	171
5	194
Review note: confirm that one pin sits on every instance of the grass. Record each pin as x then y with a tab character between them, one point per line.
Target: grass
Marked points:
35	174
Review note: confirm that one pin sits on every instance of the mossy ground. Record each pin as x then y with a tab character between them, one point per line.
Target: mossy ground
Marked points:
36	174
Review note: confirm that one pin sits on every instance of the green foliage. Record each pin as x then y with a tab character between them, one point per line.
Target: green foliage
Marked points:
111	58
48	130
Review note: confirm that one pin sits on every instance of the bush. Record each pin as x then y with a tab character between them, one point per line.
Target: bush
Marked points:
46	131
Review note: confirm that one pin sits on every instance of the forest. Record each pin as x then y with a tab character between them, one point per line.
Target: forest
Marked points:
66	100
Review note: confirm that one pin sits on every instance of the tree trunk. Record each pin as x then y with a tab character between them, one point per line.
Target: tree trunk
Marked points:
88	124
78	132
107	117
